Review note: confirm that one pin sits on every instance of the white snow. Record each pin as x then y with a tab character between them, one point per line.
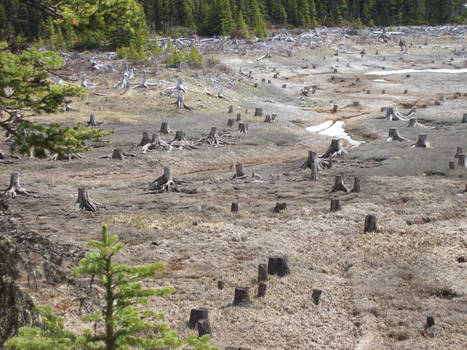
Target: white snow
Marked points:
380	80
404	71
329	128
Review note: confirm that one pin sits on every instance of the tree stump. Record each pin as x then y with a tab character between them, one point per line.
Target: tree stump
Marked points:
15	188
356	184
280	207
179	136
164	128
393	114
267	119
368	92
459	151
239	117
464	118
230	122
413	123
117	154
276	75
163	182
370	223
180	103
263	80
339	184
84	201
269	81
334	150
204	327
92	121
383	92
336	205
452	165
406	91
238	171
220	284
421	142
430	321
234	207
334	109
196	315
356	103
231	109
461	161
242	296
394	135
442	98
262	272
243	128
156	143
258	112
316	295
145	140
256	85
261	290
284	86
278	266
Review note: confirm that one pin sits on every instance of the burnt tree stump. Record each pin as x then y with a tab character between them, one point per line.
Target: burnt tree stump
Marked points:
452	165
231	110
239	171
196	315
370	223
430	321
334	150
394	135
84	201
336	205
334	109
239	117
258	112
261	290
267	119
164	128
242	296
234	207
262	272
204	327
230	122
165	182
316	295
421	142
15	188
461	161
339	184
356	184
145	139
242	128
280	207
278	266
220	284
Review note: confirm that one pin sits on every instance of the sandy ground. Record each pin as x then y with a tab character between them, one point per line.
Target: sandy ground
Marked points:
378	288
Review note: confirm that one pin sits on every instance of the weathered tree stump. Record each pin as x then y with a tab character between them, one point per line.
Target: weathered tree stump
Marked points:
164	128
336	205
370	223
256	85
267	119
196	315
258	112
334	150
84	201
280	207
262	272
339	184
314	164
119	154
393	114
165	182
452	165
239	171
239	117
204	327
394	135
156	143
93	121
213	138
242	296
234	207
430	321
261	290
421	142
334	109
15	188
356	184
278	266
243	128
179	136
231	109
461	161
145	139
464	118
413	123
316	295
230	122
220	284
459	151
276	75
356	103
406	91
180	103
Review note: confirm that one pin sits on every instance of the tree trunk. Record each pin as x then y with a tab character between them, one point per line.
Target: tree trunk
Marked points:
196	315
15	188
394	135
335	205
239	171
278	266
243	128
316	295
242	296
339	184
421	142
261	290
262	272
370	223
164	128
258	112
335	149
84	201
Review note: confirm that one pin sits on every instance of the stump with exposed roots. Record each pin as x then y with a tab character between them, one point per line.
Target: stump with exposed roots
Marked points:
422	142
356	185
393	114
314	163
413	123
394	135
156	143
65	157
370	223
242	296
180	103
339	184
180	141
145	139
196	315
242	128
165	128
93	121
258	112
239	174
165	182
278	266
84	202
334	150
213	138
15	188
336	205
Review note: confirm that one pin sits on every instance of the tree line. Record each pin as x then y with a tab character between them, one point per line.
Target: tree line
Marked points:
242	17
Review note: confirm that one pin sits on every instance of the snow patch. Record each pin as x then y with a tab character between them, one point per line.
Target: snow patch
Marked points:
380	80
320	127
329	128
404	71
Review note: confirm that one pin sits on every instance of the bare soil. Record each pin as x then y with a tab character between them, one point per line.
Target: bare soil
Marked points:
378	288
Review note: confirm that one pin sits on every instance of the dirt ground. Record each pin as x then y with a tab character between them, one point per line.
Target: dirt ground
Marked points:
377	288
